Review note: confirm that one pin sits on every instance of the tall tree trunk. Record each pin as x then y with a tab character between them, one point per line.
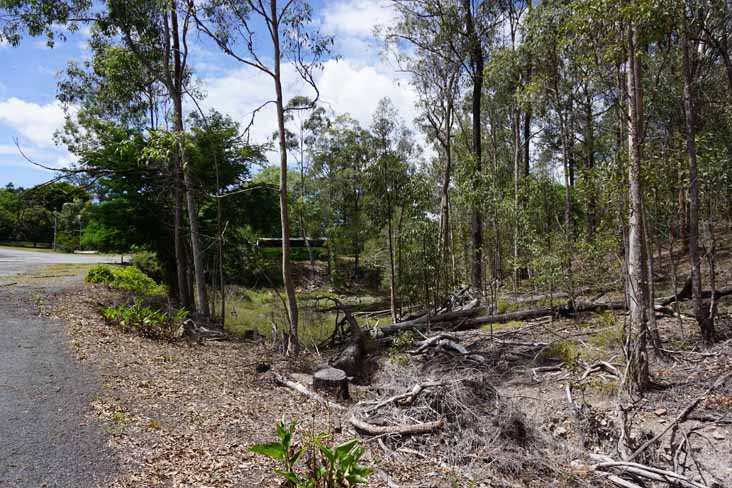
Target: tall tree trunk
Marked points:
179	245
702	314
590	219
528	114
476	222
177	96
293	343
637	378
445	208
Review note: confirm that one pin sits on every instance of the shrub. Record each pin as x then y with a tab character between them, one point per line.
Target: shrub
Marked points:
326	466
130	279
145	321
148	263
100	274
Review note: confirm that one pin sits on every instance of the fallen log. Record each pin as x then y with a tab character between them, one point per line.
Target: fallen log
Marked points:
299	388
683	296
424	321
402	429
461	320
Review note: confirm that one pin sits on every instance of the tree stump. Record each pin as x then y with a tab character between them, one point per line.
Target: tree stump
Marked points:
333	381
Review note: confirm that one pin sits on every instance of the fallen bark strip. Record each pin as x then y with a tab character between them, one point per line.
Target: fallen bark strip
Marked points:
403	429
298	387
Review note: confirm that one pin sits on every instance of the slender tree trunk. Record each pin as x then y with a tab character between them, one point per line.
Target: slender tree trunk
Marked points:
528	115
392	272
637	378
445	206
476	222
517	176
590	220
568	218
293	343
702	314
177	96
180	253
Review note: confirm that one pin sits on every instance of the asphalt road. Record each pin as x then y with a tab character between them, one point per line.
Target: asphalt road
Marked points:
47	437
15	261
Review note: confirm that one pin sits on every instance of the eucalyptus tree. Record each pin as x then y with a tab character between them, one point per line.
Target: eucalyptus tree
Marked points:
341	154
388	184
437	81
689	67
458	31
288	27
40	17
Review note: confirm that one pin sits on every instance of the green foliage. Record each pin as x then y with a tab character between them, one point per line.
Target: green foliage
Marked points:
148	263
566	351
145	321
100	274
128	278
326	466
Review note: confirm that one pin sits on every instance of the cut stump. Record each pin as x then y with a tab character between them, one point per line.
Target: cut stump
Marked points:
333	381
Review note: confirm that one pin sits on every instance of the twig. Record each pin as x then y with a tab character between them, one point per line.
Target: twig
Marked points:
681	417
409	396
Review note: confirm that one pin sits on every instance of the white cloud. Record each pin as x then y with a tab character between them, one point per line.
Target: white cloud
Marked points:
32	121
34	126
345	86
356	17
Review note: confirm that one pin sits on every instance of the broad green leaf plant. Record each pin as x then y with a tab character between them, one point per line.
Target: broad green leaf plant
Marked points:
326	466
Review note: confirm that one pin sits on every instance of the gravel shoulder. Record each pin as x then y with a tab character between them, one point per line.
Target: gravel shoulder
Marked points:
48	437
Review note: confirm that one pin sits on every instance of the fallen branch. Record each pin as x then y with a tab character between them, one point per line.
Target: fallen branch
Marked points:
402	429
298	387
646	472
681	417
407	397
601	366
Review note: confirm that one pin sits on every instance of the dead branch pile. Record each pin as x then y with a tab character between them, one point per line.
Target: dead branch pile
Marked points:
453	415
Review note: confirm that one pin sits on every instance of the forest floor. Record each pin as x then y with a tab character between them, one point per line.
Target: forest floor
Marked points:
182	414
186	414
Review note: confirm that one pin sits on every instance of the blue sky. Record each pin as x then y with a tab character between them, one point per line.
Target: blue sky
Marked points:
354	84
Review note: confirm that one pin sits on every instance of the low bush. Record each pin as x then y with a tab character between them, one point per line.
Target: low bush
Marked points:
130	278
148	263
145	321
100	274
325	466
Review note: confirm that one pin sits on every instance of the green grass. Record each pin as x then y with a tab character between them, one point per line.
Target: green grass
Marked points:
258	309
512	324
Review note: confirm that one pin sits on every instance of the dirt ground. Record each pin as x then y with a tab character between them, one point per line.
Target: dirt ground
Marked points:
178	414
